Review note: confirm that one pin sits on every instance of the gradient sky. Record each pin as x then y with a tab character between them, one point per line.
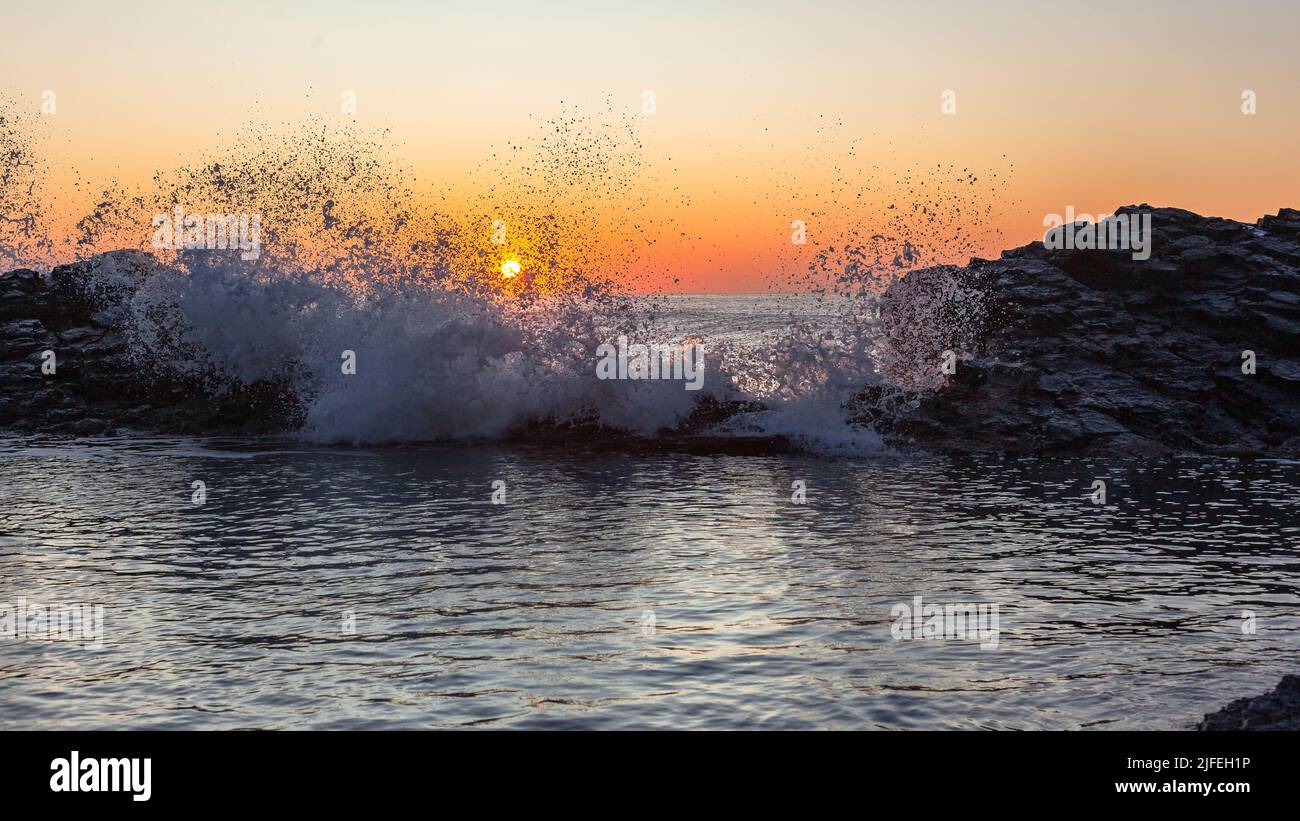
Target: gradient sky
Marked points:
1095	107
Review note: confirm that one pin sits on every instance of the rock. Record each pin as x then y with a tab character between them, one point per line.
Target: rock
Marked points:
118	273
1276	711
22	280
90	427
1087	351
96	388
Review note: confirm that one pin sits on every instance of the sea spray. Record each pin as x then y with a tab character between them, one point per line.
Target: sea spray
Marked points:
352	265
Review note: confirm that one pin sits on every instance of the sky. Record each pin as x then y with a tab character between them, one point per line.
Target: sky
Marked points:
764	113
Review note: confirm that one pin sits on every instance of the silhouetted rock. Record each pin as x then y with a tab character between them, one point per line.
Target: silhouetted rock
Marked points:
1091	351
96	388
1275	711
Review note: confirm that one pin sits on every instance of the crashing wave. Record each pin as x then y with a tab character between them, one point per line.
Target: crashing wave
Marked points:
358	314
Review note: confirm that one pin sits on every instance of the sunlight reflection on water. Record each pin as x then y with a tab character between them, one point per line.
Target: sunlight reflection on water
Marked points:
532	613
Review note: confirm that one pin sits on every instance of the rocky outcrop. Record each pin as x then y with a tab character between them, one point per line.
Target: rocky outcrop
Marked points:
1275	711
96	387
1093	351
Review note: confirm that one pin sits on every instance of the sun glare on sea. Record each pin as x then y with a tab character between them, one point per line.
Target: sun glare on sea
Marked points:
510	269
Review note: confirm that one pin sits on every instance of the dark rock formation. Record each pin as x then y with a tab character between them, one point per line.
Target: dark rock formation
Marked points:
692	436
1092	351
96	387
1275	711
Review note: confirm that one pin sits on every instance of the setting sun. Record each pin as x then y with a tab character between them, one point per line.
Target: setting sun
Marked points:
510	269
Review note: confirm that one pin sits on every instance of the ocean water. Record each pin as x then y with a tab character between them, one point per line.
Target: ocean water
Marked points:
380	587
393	583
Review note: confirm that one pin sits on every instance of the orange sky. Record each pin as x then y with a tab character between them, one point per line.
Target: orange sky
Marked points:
764	112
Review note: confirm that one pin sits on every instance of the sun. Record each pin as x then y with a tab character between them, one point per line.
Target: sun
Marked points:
510	269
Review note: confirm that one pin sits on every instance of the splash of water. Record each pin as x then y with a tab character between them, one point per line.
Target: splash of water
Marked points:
354	265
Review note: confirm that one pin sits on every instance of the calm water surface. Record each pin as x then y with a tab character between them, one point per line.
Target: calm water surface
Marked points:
537	613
